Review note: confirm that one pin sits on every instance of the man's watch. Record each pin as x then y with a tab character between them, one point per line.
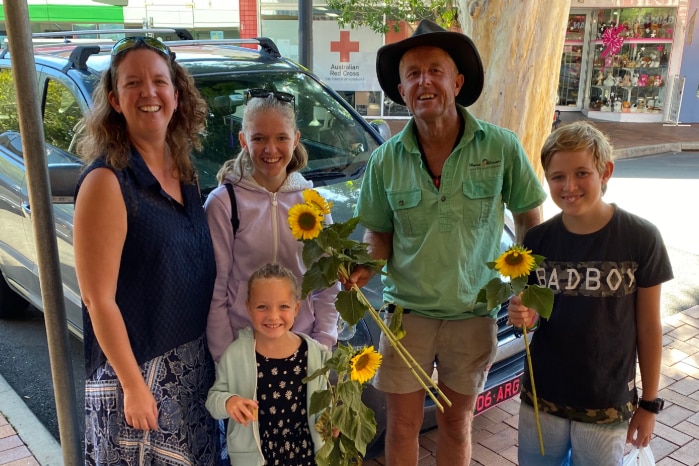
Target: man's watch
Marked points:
654	406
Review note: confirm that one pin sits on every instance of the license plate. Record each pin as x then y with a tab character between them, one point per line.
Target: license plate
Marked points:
497	394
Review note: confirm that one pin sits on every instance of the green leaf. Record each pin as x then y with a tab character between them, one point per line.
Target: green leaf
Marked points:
349	452
358	428
357	254
324	453
320	400
313	279
491	265
519	284
329	265
316	374
366	430
328	239
349	306
395	325
340	359
344	229
351	394
482	296
311	252
540	299
538	259
338	456
497	292
344	418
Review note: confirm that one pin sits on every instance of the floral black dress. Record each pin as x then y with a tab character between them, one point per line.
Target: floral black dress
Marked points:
285	435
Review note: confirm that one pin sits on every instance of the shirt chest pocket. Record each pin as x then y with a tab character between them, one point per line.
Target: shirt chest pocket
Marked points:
482	198
409	212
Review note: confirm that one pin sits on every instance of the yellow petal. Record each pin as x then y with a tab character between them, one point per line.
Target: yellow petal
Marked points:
305	221
515	262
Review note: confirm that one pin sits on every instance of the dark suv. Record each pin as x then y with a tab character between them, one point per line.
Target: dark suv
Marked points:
339	143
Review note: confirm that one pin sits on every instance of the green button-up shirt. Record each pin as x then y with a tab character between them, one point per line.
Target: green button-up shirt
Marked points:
443	238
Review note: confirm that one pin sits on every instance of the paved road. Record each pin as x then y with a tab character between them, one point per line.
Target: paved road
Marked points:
662	188
24	363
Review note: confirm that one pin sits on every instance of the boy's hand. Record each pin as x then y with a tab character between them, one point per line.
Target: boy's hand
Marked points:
640	428
241	410
519	314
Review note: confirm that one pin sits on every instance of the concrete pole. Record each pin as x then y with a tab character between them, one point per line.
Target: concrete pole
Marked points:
33	146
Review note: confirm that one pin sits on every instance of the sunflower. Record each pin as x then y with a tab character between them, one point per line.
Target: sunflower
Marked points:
515	262
312	197
363	366
305	221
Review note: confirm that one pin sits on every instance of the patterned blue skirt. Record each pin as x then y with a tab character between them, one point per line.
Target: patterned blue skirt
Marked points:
187	435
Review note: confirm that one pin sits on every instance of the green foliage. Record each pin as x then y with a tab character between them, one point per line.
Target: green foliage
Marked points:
494	293
537	297
346	424
395	325
331	252
381	15
9	118
353	308
61	115
540	299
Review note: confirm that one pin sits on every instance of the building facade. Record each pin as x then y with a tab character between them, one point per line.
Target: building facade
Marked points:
623	60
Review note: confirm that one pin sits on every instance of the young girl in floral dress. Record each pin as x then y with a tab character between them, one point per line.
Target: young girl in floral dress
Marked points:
259	379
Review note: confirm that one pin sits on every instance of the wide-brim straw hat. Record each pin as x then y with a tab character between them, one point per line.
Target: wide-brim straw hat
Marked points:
459	46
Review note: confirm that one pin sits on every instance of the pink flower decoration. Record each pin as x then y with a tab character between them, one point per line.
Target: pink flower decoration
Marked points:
612	40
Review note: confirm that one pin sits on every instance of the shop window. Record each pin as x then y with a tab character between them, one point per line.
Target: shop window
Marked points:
630	59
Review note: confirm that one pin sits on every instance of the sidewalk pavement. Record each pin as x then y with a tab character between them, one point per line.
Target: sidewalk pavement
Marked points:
25	442
628	139
676	438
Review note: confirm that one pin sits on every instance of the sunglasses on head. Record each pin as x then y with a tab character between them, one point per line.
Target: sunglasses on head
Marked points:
265	93
150	42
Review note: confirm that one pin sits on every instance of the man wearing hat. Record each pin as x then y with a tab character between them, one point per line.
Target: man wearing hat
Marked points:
432	201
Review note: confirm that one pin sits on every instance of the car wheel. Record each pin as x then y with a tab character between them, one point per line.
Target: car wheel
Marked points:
11	304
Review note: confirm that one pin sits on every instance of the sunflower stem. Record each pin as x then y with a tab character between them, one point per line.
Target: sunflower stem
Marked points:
531	377
408	359
419	374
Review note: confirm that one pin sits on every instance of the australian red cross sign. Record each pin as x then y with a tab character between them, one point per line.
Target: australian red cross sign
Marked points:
345	59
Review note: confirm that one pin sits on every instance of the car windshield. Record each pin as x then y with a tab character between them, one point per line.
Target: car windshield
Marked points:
338	145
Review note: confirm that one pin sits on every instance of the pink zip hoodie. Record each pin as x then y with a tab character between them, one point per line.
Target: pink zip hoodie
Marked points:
263	236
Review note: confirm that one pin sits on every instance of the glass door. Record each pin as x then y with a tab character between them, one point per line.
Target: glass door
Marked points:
573	67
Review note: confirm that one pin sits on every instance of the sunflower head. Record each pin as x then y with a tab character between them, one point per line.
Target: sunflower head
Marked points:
515	262
364	364
312	197
305	221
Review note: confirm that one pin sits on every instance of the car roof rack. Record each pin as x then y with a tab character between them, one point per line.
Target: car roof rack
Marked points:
91	46
67	35
51	39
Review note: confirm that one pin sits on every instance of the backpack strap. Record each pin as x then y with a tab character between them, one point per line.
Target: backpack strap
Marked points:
235	221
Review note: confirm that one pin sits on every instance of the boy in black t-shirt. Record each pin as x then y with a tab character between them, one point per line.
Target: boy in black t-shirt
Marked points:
606	267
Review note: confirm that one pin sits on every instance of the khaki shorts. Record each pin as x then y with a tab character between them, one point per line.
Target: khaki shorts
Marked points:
463	351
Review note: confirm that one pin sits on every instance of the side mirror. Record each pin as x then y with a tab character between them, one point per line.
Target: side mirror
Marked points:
63	178
382	127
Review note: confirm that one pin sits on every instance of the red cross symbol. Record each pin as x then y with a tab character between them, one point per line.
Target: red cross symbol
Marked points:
344	46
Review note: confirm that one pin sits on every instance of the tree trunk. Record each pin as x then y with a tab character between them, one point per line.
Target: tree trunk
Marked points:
520	43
